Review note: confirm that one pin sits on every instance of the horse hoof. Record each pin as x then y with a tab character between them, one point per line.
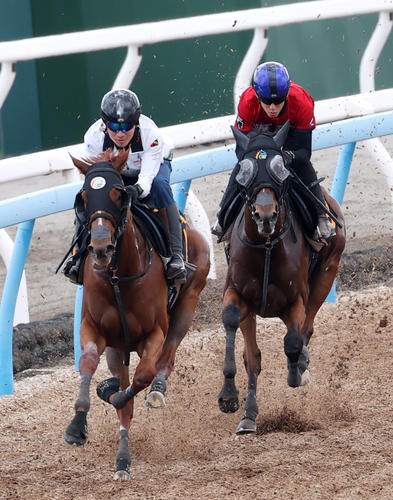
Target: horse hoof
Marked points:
76	432
121	475
306	378
228	405
74	440
246	426
294	377
155	399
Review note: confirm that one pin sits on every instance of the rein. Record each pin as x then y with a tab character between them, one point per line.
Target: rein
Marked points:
115	282
268	247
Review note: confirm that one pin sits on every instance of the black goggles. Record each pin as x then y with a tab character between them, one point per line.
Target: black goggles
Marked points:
120	127
272	100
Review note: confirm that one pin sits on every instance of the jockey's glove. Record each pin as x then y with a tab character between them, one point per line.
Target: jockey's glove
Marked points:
288	157
134	192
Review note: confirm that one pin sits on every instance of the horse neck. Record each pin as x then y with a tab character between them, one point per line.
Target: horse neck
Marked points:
251	228
133	249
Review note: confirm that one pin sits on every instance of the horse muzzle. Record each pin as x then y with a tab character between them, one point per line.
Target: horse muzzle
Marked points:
266	224
101	247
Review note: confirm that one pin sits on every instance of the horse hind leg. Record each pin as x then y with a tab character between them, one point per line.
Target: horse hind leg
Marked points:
228	398
180	322
156	395
123	458
293	346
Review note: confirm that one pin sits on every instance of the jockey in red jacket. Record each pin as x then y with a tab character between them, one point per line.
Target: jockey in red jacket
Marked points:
266	105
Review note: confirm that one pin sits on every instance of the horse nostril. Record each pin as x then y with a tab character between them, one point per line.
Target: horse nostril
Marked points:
110	248
90	249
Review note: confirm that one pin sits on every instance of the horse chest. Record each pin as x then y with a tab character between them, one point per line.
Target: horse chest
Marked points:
272	288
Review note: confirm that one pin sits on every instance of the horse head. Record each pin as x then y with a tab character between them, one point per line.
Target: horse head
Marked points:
262	176
102	204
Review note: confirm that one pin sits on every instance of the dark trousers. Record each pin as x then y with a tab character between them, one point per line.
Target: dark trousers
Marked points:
160	191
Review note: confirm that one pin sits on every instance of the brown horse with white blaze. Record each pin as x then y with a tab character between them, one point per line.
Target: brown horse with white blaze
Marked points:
272	271
124	306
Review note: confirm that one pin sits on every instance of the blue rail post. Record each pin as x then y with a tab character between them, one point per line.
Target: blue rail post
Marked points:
77	324
338	188
8	301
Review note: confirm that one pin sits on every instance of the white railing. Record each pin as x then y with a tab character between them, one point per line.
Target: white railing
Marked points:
135	36
192	134
216	129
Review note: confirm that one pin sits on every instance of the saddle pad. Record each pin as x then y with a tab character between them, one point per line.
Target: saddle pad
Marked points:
153	227
305	210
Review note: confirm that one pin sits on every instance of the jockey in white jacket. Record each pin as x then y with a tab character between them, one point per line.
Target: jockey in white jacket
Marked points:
148	168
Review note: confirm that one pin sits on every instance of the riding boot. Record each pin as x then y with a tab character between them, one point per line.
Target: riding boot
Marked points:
231	191
325	229
72	266
175	269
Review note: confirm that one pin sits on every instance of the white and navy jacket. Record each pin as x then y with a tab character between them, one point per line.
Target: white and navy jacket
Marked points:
148	149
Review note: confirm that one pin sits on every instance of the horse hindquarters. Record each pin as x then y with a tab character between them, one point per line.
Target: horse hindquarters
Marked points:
181	316
324	273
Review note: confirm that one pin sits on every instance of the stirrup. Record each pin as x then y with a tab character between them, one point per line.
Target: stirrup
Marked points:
216	229
176	270
325	229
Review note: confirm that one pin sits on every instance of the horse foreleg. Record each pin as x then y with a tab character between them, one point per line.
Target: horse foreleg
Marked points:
228	398
252	363
149	351
76	432
106	389
293	342
180	322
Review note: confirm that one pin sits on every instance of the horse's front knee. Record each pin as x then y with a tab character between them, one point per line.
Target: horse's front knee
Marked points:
143	377
90	358
231	317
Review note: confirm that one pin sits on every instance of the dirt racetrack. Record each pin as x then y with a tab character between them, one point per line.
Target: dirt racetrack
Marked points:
330	440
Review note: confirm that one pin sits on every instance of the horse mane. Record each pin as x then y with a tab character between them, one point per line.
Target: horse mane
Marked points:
117	158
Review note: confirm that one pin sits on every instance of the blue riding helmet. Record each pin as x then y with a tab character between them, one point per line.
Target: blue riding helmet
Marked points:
120	106
271	81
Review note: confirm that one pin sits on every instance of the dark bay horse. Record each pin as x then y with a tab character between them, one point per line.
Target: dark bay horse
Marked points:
125	304
272	271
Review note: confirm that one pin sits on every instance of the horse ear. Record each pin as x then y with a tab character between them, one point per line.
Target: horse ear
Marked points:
281	135
242	142
82	164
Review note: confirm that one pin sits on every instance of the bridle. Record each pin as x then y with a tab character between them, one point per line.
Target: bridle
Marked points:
251	196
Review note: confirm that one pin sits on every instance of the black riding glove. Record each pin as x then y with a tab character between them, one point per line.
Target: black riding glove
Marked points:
134	192
288	157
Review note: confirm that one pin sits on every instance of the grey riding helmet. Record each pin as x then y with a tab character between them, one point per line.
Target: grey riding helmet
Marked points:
120	106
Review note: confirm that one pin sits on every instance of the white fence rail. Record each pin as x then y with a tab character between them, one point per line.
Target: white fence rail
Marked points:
260	20
216	129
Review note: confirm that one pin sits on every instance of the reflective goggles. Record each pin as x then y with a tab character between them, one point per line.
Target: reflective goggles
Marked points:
272	100
120	127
